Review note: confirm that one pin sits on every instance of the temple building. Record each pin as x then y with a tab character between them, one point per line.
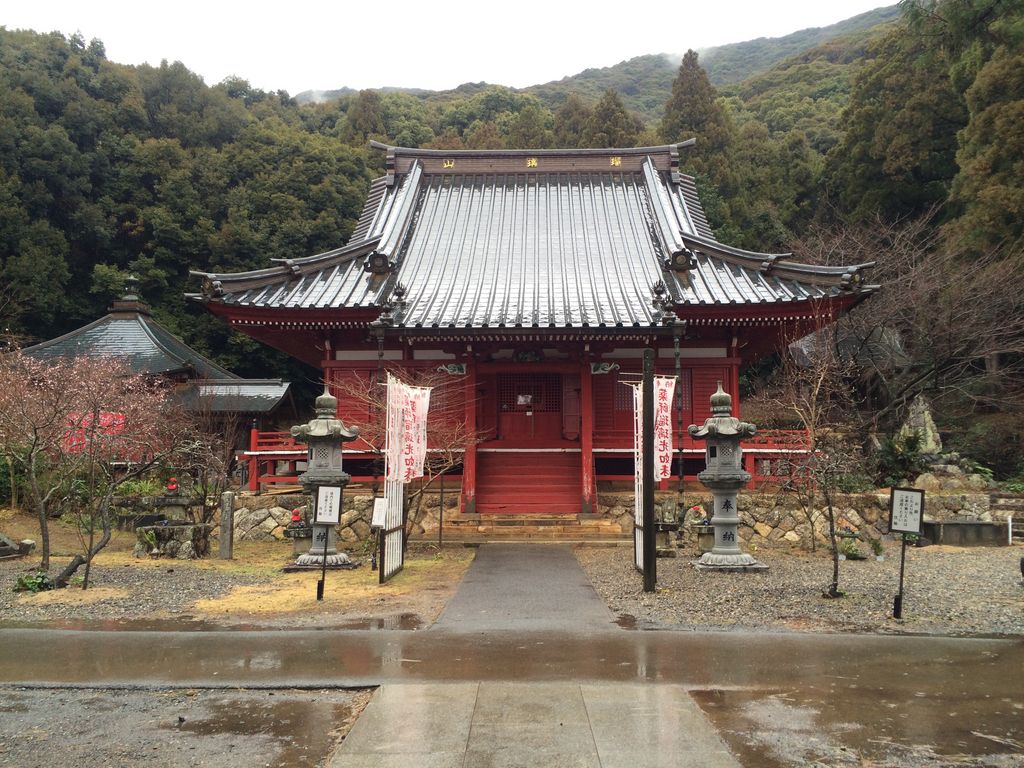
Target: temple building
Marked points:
535	279
129	333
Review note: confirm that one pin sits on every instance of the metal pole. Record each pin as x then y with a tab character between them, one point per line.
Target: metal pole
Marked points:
680	495
323	562
897	603
440	524
650	553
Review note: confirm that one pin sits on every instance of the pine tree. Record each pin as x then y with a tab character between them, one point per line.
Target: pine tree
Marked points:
693	111
610	124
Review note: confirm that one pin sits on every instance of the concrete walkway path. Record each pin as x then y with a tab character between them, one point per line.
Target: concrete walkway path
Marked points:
499	725
525	587
530	590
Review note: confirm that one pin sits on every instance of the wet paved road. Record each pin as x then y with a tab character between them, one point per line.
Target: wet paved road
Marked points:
771	696
775	699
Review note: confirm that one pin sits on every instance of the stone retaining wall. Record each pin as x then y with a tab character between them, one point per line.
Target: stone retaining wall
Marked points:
264	518
768	519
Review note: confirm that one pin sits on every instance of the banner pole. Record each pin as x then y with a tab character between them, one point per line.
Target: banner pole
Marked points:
650	553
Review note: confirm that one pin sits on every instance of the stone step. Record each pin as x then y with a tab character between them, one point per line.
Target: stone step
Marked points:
1008	504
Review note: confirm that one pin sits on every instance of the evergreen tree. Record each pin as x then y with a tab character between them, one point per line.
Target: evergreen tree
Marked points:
570	121
694	111
610	125
898	157
989	189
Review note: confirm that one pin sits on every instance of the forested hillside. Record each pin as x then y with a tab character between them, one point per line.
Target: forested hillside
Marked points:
644	82
736	62
107	169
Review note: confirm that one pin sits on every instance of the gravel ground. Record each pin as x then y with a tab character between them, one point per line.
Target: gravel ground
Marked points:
139	589
948	590
89	728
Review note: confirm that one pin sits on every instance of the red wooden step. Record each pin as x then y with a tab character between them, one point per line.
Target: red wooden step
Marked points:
528	483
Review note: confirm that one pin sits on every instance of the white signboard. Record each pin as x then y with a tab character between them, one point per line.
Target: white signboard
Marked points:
328	505
906	508
380	513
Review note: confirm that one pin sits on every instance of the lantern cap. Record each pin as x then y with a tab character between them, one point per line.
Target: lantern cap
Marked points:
721	402
722	423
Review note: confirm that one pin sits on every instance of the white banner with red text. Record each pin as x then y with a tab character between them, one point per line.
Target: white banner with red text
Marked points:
406	443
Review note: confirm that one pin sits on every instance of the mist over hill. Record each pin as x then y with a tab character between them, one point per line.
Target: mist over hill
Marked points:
644	82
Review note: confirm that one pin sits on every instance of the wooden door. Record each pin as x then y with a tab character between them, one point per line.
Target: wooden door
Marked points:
530	407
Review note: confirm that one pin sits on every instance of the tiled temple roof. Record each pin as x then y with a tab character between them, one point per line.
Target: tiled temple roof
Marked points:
532	239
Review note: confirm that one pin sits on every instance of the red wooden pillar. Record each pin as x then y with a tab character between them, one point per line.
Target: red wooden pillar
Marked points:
254	462
469	457
589	496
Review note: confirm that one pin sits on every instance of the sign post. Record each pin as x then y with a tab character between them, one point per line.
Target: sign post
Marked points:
326	514
906	509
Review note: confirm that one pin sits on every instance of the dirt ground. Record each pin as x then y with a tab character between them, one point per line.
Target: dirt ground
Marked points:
162	728
249	591
90	728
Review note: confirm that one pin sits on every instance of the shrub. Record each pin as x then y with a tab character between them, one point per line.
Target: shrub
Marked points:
899	460
141	488
33	582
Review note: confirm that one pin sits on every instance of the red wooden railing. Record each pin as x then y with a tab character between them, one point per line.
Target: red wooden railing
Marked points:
272	456
268	451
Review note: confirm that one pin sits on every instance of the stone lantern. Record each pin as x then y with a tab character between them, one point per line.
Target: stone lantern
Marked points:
724	476
324	435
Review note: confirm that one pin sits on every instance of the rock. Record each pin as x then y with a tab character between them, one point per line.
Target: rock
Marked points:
976	482
362	503
186	551
787	524
348	535
920	423
791	536
361	529
281	515
763	529
350	517
928	482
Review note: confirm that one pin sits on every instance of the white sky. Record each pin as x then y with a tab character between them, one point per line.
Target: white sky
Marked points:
303	45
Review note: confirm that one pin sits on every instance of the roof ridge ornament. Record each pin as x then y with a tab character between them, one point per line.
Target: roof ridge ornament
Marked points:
393	308
662	302
378	263
681	261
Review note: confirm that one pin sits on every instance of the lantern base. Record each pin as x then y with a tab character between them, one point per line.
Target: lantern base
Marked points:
313	563
742	562
333	559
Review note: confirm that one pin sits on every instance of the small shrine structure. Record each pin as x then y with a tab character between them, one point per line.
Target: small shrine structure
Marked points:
129	333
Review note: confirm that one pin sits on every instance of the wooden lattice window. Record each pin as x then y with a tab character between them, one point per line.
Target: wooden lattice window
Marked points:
539	393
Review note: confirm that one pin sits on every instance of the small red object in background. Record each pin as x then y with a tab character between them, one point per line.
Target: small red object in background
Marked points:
296	516
172	484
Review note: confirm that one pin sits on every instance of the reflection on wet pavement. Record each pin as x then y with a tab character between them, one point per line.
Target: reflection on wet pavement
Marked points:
186	623
299	727
842	725
778	698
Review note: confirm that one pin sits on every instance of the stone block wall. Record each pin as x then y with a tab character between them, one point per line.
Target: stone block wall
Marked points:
264	518
772	519
768	519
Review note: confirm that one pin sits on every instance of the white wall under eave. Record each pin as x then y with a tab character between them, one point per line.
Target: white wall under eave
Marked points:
366	354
